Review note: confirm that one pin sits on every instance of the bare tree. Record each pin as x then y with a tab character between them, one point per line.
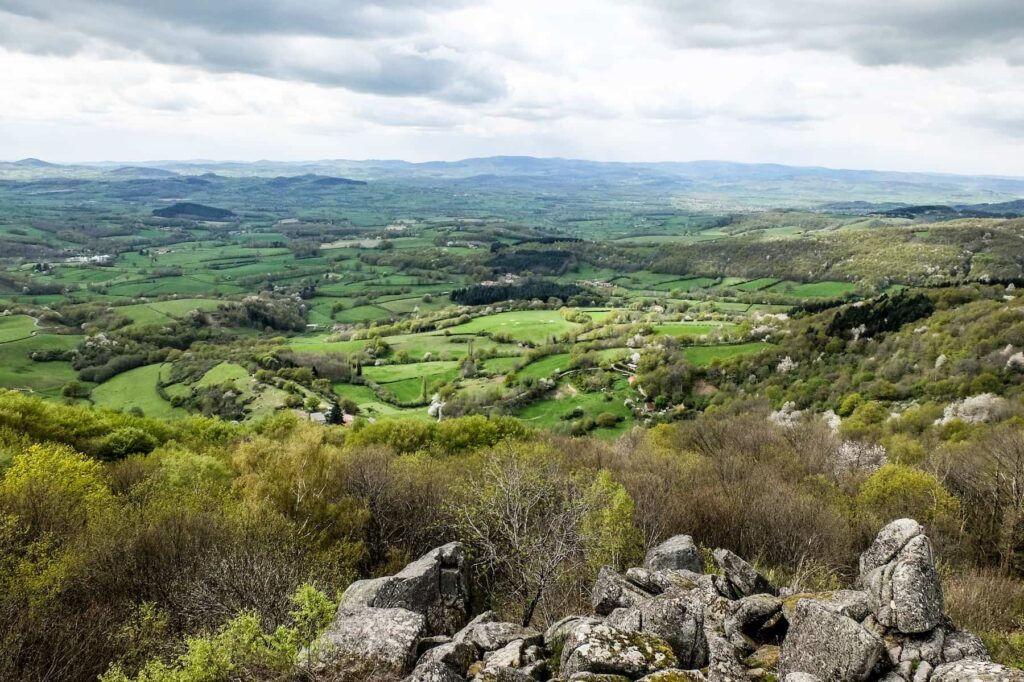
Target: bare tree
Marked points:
989	477
523	518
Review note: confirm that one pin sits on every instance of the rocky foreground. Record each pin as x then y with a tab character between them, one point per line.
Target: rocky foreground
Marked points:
665	622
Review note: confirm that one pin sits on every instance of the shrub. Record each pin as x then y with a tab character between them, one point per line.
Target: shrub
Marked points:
127	440
897	491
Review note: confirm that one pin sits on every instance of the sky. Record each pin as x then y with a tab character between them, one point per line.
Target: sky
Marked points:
907	85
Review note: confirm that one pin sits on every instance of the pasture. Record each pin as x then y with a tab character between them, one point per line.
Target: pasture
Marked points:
136	388
15	327
532	326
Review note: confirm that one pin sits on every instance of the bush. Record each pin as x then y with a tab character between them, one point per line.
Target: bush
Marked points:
897	491
127	440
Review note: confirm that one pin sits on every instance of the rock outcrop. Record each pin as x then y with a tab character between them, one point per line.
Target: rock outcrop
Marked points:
436	586
678	552
666	622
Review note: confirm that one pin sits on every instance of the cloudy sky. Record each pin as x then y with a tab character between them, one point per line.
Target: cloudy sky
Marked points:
904	84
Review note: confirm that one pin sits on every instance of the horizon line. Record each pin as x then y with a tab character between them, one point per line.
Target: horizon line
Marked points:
299	162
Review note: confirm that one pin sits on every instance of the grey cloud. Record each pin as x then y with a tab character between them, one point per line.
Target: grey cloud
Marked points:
927	33
335	18
1008	121
369	47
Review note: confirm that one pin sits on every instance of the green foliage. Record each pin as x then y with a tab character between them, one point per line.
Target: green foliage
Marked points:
849	404
611	538
897	491
239	648
127	440
53	491
447	437
864	420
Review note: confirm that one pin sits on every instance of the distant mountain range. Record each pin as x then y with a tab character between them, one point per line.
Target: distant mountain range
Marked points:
702	183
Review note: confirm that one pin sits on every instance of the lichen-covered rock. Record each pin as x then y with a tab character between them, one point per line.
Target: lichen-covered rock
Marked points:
723	663
597	677
512	655
828	645
503	675
493	636
675	675
433	671
362	593
557	632
435	585
741	579
676	619
677	552
905	593
851	603
383	640
959	645
612	591
755	620
674	580
800	677
888	543
971	670
914	649
455	655
603	648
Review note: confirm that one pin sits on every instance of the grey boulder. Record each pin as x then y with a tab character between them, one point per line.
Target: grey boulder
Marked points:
905	593
494	636
433	671
851	603
755	620
740	578
676	619
457	656
368	639
435	585
675	675
959	645
828	645
888	543
612	591
667	580
677	552
503	675
971	670
605	649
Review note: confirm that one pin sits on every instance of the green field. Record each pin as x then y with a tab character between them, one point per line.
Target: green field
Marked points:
225	373
136	388
388	373
756	284
692	328
545	367
533	326
549	413
19	371
164	312
14	327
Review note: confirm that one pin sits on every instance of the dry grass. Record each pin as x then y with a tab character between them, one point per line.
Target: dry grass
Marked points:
991	605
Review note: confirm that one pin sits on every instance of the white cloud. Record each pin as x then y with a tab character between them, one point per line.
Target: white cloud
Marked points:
596	79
